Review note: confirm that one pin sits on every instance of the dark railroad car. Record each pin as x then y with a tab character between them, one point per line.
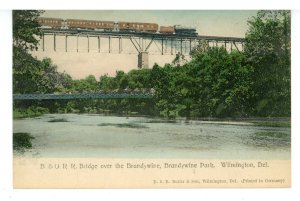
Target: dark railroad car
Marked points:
166	30
138	27
51	22
89	24
181	30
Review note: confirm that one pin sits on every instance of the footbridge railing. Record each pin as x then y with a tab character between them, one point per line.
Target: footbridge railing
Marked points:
83	96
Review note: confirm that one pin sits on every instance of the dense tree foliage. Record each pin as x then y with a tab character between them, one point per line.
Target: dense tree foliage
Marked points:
214	83
29	74
268	49
25	29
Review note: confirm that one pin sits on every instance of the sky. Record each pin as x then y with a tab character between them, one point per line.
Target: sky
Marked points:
79	65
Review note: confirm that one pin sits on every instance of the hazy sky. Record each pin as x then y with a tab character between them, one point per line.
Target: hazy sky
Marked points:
221	23
79	65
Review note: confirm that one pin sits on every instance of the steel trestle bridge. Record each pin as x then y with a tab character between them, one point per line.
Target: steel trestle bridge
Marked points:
142	43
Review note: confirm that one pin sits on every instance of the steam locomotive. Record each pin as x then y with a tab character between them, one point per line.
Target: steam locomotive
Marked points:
96	25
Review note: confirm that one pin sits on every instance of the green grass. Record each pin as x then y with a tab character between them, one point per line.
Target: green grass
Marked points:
22	141
272	134
19	113
125	125
273	123
58	120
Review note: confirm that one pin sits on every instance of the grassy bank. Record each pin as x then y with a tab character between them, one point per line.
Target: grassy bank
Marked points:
20	113
22	141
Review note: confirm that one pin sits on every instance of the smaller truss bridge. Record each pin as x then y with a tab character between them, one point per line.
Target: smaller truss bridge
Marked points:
110	95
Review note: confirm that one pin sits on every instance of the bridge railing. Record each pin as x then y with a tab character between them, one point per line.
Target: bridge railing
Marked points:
82	96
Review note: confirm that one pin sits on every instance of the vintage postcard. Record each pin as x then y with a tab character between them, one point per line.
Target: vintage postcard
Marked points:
151	98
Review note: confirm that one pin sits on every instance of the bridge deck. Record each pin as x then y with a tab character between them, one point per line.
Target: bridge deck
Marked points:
75	32
81	96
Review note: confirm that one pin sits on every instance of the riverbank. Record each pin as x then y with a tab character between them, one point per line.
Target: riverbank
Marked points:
22	141
29	112
257	121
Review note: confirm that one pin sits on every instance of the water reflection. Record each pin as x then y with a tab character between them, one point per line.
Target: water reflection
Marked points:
139	137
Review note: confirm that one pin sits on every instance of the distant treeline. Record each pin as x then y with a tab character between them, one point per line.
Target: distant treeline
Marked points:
214	83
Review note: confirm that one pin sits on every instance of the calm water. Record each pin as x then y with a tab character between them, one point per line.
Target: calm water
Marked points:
139	137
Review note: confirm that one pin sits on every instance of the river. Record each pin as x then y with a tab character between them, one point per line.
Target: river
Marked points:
85	135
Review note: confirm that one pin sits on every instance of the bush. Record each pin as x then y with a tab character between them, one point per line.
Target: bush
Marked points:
22	141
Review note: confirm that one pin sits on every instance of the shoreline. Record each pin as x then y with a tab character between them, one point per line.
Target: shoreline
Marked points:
251	121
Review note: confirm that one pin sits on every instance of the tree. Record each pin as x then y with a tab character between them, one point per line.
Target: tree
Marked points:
220	83
179	59
50	80
107	83
31	75
25	67
268	51
26	29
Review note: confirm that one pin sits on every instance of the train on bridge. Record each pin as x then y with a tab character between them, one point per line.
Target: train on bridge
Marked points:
110	26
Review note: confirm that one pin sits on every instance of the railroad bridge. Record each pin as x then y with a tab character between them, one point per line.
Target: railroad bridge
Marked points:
142	44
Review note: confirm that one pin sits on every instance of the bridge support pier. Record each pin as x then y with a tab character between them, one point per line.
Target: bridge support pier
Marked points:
143	60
